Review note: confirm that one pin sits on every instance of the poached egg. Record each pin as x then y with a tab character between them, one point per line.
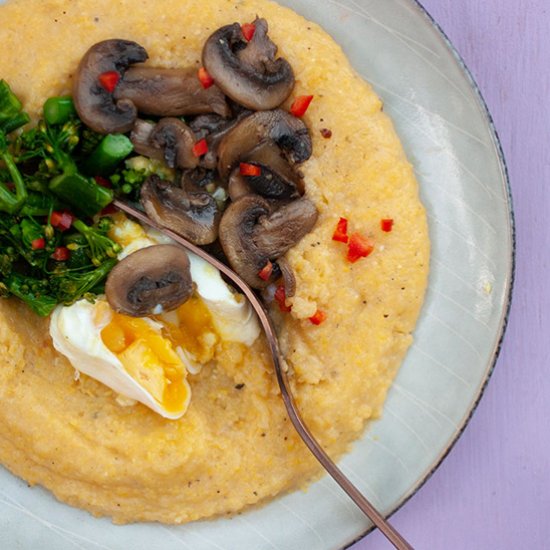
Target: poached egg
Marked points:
148	359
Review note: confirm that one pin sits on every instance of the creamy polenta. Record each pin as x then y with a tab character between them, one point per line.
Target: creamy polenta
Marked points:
235	445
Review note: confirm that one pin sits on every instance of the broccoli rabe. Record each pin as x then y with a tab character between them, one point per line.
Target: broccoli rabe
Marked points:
101	247
34	292
73	285
11	118
128	180
29	270
50	186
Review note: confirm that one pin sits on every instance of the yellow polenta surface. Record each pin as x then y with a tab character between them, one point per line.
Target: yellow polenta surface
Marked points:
234	447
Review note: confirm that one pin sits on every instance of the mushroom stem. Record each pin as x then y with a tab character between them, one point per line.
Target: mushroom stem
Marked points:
170	92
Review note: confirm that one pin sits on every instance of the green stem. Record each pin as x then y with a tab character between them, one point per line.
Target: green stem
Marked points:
16	122
58	110
111	151
9	202
10	106
83	194
21	286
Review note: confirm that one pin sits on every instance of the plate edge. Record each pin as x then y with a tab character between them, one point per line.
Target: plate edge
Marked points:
510	278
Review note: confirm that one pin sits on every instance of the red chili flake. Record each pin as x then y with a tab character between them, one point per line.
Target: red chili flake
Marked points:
318	318
62	220
249	169
341	232
300	105
386	224
109	209
359	247
326	133
38	244
248	30
109	80
280	298
104	182
61	254
200	148
205	79
266	271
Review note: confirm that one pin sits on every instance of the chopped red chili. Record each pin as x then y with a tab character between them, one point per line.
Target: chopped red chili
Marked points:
341	232
280	298
205	79
326	133
248	30
300	105
61	254
359	247
109	80
386	224
109	209
38	244
318	318
61	220
266	271
200	148
104	182
249	169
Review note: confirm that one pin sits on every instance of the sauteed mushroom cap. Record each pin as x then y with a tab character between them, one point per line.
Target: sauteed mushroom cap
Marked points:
248	72
289	133
97	106
252	234
192	214
153	277
177	140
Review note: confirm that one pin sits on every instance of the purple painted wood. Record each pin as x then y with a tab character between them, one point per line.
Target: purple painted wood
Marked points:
493	491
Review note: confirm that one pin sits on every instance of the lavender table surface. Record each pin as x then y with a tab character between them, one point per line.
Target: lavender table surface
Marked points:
493	490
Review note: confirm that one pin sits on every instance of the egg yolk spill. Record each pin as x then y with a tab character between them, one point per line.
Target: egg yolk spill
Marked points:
192	330
150	356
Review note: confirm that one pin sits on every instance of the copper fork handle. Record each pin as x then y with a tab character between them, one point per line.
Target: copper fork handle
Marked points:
364	505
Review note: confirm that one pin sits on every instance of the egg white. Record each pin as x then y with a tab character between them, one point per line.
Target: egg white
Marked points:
76	332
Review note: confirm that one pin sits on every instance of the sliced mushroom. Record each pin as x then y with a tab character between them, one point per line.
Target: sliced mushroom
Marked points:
151	278
192	214
289	280
213	128
251	234
176	139
97	107
248	72
238	186
286	226
289	133
277	179
170	92
197	179
141	140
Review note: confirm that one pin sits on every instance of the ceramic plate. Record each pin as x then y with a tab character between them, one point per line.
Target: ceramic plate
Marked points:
448	136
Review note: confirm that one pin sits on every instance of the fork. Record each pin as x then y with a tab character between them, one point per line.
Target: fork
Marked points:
281	371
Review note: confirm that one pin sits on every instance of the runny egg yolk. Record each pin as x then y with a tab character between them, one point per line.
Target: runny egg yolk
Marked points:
192	329
150	357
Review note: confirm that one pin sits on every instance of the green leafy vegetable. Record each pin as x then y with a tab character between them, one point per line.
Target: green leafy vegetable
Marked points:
101	247
33	292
